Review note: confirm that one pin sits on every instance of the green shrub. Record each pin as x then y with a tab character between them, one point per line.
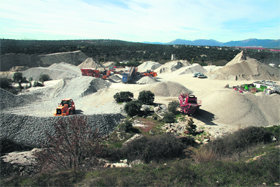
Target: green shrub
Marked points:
37	84
132	108
146	97
172	107
240	141
44	77
5	83
156	148
169	117
275	130
123	97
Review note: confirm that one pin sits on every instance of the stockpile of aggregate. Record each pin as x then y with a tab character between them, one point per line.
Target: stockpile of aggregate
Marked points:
31	130
242	110
71	57
246	68
191	69
148	65
55	71
167	89
90	63
8	100
172	66
146	80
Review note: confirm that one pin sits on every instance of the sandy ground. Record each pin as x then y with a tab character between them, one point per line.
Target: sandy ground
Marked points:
222	110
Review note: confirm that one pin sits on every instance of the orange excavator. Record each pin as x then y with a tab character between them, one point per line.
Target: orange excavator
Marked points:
65	108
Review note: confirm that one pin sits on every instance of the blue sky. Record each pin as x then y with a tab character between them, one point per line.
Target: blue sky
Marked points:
140	20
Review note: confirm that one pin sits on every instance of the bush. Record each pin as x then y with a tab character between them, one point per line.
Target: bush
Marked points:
169	117
172	107
5	83
240	141
36	84
156	148
123	97
146	97
132	108
71	144
44	77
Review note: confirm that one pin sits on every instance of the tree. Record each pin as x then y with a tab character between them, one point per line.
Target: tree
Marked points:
123	97
18	78
172	107
71	144
146	97
132	108
5	83
44	77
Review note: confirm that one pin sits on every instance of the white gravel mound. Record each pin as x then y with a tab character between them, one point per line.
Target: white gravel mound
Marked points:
191	69
172	66
167	89
211	68
90	63
146	80
148	65
55	71
242	110
108	64
245	68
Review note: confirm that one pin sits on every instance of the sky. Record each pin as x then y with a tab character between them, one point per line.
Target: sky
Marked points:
140	20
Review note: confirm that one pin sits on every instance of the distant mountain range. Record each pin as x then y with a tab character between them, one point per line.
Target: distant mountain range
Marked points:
263	43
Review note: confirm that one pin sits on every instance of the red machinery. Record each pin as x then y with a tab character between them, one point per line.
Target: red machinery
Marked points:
96	73
90	72
65	108
189	104
149	73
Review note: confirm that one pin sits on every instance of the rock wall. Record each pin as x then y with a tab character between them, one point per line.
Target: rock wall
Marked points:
31	131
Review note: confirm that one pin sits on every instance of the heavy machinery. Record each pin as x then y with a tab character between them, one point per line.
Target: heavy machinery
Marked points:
149	73
65	108
128	77
96	73
90	72
189	104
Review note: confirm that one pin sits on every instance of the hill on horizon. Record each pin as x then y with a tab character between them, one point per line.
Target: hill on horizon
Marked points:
262	43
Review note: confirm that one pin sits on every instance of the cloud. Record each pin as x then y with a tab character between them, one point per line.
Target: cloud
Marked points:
136	20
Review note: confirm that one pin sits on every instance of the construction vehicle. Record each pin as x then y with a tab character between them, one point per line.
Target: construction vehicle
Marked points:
65	108
96	73
189	104
90	72
149	73
130	75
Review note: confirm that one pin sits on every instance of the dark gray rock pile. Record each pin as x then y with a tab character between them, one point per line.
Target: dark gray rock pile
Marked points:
31	130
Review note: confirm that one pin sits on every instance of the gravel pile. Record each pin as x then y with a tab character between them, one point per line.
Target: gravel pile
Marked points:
167	89
172	66
72	57
82	86
55	71
31	131
242	110
191	69
8	100
90	63
148	65
245	68
147	80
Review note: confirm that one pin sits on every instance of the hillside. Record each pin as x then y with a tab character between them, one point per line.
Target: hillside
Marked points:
26	52
265	43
